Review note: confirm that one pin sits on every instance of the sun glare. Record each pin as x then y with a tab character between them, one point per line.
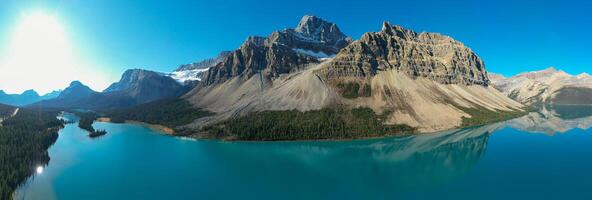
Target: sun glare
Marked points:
40	56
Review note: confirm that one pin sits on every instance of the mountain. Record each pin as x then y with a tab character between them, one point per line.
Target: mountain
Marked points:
72	95
136	86
144	86
429	55
549	86
26	98
282	52
424	80
187	73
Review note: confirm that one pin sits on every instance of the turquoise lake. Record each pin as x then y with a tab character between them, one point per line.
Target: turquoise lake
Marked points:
546	155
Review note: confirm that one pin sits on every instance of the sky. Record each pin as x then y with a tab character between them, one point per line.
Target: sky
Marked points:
96	41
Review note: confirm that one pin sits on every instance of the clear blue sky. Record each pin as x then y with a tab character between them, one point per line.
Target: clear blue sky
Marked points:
511	36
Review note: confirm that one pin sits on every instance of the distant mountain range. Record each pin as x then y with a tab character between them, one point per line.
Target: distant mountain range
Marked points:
549	86
137	86
26	98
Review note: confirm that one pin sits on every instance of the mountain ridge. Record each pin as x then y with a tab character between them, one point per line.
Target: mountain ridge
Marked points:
425	80
545	86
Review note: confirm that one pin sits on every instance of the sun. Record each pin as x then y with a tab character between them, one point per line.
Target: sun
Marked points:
40	56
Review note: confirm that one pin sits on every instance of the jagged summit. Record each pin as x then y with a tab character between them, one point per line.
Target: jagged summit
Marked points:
430	55
318	29
285	51
204	64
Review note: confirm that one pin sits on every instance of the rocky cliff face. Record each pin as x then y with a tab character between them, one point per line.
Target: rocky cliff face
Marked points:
429	55
194	72
204	64
282	52
548	86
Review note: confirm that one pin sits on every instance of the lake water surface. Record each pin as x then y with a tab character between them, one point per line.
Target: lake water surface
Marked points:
544	155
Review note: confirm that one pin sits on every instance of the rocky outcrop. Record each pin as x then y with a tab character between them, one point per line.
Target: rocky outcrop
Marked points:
313	34
282	52
204	64
429	55
191	73
548	86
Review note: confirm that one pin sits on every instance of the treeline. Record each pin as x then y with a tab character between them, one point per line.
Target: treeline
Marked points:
6	110
86	121
482	116
327	123
24	140
167	112
352	90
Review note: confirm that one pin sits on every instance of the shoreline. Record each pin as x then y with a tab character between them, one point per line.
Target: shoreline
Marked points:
201	136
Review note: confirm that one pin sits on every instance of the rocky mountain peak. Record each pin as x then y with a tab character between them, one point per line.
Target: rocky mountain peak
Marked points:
204	64
430	55
30	93
544	75
318	29
255	41
583	75
76	90
132	77
281	52
386	27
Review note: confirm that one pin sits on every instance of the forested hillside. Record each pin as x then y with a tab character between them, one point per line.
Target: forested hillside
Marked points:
24	140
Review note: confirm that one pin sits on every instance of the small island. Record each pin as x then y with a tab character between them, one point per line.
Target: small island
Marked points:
86	121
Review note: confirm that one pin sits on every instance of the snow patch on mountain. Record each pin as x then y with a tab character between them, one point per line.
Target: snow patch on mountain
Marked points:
319	54
188	75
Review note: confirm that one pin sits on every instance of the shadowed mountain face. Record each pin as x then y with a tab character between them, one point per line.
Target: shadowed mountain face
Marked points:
5	111
135	87
70	96
573	96
145	86
27	97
